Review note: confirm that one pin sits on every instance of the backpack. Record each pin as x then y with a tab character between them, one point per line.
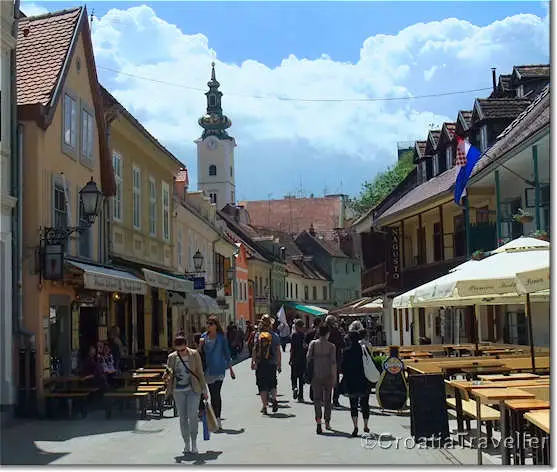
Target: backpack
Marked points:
370	369
263	346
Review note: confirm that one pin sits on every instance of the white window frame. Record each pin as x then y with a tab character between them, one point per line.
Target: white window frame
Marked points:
435	165
165	191
117	167
69	123
483	138
85	237
87	134
136	197
449	157
152	206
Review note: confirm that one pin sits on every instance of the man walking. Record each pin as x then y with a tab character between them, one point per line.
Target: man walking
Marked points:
297	362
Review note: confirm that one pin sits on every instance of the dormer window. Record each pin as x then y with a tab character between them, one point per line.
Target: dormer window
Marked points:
520	91
449	157
483	138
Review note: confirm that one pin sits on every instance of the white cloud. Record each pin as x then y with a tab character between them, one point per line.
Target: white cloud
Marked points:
32	9
439	56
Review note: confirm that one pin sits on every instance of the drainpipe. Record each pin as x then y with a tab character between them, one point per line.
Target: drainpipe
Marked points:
498	205
537	184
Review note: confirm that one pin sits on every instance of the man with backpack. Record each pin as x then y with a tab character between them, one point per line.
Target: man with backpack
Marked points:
266	361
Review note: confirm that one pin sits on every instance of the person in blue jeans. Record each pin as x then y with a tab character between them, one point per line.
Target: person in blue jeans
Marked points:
213	345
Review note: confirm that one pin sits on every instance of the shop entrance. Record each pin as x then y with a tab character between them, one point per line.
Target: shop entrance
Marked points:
87	330
60	340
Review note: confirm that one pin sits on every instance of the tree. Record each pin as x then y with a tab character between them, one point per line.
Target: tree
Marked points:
374	191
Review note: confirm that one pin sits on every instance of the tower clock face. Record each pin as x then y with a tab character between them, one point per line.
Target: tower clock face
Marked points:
212	144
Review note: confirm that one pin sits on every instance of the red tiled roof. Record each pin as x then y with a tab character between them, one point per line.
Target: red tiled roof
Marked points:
295	214
43	43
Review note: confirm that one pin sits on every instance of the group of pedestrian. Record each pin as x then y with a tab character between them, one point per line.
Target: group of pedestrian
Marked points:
319	356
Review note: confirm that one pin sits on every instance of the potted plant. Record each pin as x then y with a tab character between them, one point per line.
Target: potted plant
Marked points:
503	241
523	217
478	255
539	234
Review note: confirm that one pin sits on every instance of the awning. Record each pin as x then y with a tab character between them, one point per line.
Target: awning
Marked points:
110	280
312	310
168	282
201	303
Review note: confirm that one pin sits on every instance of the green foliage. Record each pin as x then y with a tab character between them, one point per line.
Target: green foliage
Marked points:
379	361
374	191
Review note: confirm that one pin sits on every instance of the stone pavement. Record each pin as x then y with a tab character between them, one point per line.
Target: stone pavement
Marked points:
287	437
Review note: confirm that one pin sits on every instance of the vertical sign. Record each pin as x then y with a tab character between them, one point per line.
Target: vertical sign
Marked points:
393	275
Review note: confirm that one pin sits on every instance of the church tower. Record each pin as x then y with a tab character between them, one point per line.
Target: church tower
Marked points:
215	150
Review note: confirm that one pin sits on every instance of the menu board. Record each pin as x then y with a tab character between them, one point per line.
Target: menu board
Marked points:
428	410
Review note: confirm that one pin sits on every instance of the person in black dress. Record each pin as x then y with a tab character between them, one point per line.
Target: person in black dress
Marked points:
355	384
298	352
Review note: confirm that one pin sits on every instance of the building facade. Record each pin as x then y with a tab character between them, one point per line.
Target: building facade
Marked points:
142	233
215	150
63	145
9	234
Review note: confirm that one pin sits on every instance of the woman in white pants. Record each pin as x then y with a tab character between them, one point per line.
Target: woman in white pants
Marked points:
187	384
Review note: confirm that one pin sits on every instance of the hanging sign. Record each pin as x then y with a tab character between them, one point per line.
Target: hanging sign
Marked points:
393	275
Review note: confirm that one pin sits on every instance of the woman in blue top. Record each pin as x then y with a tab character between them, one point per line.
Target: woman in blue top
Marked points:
214	346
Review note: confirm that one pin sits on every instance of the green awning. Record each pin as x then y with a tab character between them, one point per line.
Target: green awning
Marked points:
310	309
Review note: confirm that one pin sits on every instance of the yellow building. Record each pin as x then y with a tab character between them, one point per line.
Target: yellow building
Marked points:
141	230
63	147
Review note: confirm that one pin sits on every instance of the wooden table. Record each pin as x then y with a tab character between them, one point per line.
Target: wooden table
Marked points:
490	396
416	354
67	381
127	378
498	378
474	371
541	420
516	409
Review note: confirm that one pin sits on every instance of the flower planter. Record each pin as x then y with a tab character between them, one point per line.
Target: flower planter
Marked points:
525	219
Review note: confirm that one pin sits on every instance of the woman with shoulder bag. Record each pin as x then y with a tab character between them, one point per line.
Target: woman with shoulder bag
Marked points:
186	381
214	347
354	383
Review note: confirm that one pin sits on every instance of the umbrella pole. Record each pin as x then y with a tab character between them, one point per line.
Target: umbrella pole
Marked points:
530	332
476	328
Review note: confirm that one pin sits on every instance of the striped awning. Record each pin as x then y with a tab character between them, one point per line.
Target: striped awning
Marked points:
310	309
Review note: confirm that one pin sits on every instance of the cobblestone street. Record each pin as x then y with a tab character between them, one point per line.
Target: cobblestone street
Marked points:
287	437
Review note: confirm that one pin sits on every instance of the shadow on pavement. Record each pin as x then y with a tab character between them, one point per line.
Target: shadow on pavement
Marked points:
336	433
281	415
18	445
231	431
198	459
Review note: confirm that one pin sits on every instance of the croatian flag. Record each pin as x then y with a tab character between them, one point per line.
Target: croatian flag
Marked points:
466	158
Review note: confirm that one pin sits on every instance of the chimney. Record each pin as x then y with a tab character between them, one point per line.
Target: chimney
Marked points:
311	230
494	79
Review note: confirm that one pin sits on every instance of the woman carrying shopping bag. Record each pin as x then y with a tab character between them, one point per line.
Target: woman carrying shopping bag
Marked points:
186	382
214	347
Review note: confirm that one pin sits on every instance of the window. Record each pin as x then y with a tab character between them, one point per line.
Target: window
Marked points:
483	138
230	171
179	247
296	291
87	135
117	200
449	157
482	215
438	239
306	292
435	165
395	324
165	211
232	196
60	208
424	172
152	206
213	197
84	241
212	169
70	121
347	268
324	293
353	267
136	178
314	292
212	101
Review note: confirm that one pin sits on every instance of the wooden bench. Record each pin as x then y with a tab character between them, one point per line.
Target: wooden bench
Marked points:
140	397
69	397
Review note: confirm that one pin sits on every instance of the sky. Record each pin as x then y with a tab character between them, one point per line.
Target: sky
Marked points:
297	77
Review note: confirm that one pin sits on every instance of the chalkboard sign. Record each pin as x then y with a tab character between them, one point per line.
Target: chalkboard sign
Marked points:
392	390
428	410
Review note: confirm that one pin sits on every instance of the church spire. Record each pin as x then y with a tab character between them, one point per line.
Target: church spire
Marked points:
214	123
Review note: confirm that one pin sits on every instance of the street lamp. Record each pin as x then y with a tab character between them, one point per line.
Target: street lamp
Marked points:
198	261
53	239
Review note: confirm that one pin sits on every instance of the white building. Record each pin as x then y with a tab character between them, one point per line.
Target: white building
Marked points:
7	200
215	150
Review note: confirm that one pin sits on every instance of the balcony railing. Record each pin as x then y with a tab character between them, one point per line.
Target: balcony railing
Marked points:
415	276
